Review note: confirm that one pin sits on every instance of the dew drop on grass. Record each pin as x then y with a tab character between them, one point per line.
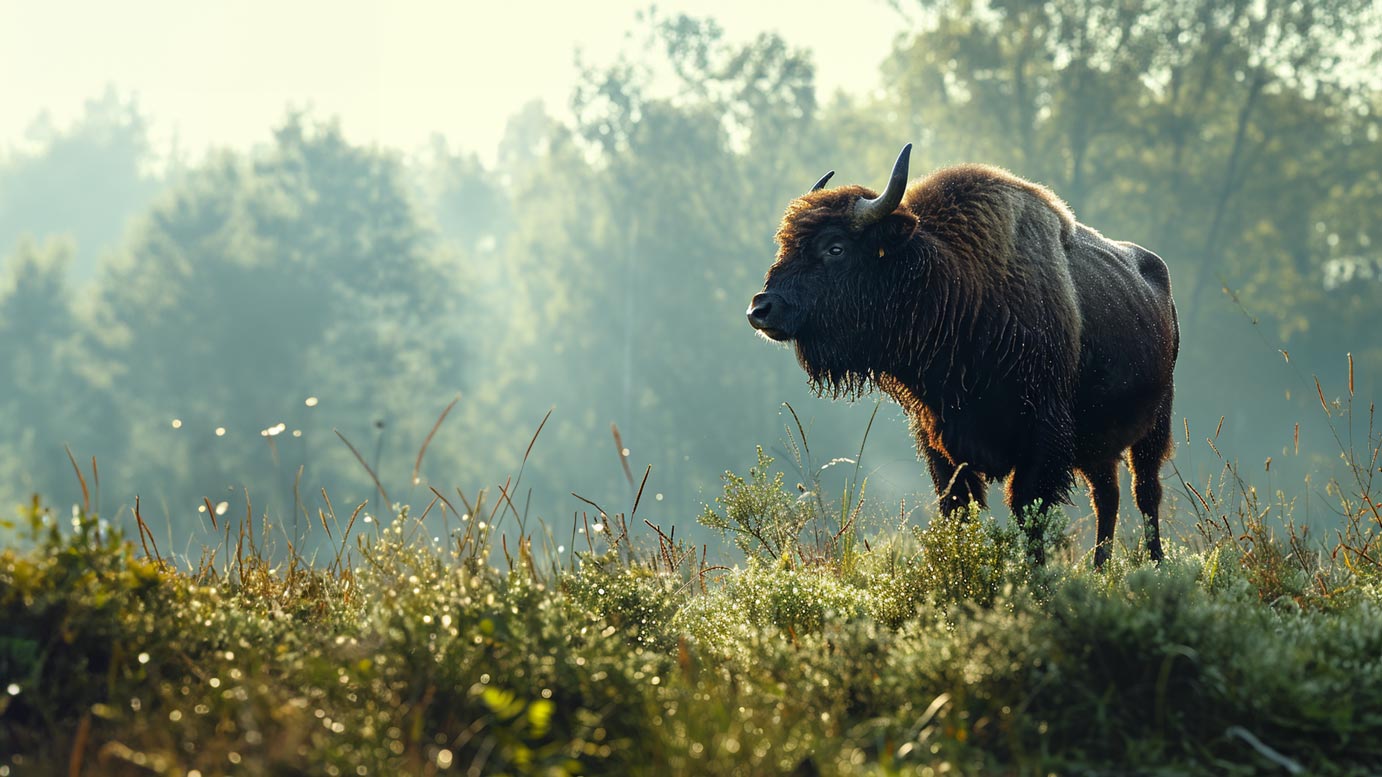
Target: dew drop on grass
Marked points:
13	689
143	658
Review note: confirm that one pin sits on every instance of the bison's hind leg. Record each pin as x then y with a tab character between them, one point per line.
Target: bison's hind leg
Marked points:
1103	496
1145	461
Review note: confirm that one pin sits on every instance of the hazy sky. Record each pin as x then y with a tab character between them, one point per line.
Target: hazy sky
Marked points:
220	73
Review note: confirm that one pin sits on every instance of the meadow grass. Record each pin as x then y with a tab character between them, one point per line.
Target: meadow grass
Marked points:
829	649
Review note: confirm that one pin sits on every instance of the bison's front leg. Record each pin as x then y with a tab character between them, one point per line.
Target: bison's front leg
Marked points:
1044	479
956	486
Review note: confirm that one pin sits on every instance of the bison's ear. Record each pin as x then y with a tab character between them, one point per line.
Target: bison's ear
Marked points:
895	229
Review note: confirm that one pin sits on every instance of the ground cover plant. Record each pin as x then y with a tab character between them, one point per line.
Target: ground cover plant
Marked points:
832	644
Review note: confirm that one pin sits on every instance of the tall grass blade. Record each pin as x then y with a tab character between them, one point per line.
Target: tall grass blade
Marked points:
619	451
417	464
86	496
382	493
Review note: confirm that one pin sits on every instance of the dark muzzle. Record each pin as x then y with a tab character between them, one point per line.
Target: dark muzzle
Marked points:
768	314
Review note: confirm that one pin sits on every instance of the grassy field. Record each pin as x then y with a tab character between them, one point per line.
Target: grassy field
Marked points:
828	649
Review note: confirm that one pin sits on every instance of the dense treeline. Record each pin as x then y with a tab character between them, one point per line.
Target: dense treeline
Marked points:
204	328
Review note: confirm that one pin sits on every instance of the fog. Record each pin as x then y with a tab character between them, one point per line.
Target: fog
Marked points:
274	319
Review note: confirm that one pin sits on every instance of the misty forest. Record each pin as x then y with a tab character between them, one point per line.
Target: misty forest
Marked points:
323	457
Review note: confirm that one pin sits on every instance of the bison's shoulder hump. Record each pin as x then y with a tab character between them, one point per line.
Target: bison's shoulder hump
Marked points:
968	203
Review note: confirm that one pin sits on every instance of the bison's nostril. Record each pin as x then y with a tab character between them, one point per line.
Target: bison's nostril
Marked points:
760	308
768	313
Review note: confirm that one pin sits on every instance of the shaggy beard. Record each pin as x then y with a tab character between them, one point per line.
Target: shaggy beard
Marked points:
830	376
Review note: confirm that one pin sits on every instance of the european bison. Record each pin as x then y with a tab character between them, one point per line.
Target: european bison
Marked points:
1020	343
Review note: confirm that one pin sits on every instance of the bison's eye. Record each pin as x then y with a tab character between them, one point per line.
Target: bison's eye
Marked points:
835	251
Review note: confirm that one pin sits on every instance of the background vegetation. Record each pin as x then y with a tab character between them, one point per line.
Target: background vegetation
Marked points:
836	648
239	368
167	317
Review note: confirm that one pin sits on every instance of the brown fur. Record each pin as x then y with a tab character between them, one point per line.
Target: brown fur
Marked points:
1018	341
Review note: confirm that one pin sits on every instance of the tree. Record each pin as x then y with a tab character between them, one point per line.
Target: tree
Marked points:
1236	139
268	301
86	181
639	239
472	207
41	370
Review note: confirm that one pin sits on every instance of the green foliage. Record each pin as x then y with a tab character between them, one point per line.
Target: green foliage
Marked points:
1239	141
76	606
631	598
85	181
765	521
43	365
969	557
310	253
610	274
768	600
407	661
937	650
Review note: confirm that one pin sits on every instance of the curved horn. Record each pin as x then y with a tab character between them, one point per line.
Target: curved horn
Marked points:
821	183
872	211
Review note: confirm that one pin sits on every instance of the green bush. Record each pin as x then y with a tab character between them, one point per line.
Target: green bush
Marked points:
934	650
764	520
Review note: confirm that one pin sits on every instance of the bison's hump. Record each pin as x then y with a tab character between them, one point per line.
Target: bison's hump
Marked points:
975	209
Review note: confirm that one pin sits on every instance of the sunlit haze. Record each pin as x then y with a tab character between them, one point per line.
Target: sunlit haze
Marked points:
211	74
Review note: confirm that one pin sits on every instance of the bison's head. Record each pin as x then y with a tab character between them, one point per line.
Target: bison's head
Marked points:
841	256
